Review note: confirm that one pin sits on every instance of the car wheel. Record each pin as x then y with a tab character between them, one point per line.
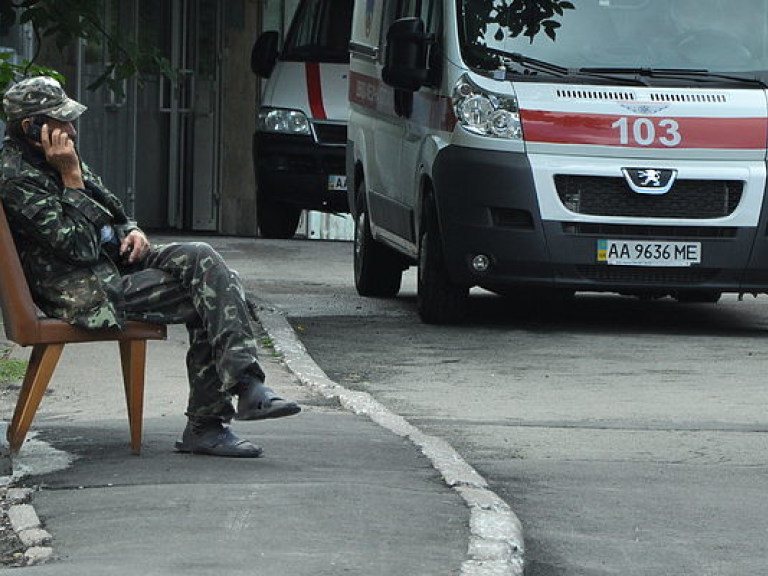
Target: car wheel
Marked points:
378	269
439	300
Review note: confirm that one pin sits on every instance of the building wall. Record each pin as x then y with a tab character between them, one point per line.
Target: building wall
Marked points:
240	90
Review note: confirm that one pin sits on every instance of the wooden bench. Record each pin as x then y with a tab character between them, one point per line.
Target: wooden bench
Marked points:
25	326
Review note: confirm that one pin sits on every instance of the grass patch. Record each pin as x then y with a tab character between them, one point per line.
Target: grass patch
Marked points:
12	370
269	345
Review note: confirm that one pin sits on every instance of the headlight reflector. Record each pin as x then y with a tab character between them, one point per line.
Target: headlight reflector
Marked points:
486	113
283	121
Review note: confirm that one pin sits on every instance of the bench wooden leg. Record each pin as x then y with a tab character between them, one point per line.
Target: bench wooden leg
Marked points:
133	357
42	363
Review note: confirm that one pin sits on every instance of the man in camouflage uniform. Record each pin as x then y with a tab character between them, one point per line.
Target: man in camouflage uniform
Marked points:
88	263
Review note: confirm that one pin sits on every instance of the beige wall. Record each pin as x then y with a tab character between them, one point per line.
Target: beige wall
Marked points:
237	209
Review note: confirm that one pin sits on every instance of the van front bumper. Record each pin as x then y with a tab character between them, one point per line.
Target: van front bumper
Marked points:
297	170
487	204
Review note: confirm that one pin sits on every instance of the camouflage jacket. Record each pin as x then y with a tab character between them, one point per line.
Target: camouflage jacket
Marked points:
58	236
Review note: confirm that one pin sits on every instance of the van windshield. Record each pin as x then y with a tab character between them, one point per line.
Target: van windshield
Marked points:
319	32
726	36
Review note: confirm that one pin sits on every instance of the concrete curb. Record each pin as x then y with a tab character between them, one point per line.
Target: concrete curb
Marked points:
496	534
6	463
16	509
26	525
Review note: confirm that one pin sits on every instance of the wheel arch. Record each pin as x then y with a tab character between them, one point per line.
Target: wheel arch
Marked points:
359	179
426	196
357	156
425	185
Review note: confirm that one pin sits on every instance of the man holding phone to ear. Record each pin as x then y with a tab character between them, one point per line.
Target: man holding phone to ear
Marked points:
88	263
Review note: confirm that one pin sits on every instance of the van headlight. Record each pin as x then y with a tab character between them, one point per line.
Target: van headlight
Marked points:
284	121
485	113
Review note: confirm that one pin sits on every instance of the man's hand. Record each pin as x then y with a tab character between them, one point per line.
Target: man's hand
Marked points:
135	246
60	153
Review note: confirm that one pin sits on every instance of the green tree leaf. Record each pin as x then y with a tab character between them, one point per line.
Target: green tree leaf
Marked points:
67	22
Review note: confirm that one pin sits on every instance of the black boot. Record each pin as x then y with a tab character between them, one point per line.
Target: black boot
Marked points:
257	402
216	440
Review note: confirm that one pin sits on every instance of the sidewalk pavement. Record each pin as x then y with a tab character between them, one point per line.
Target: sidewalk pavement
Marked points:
339	490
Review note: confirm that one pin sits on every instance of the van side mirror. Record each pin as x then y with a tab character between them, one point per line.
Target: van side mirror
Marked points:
264	53
405	59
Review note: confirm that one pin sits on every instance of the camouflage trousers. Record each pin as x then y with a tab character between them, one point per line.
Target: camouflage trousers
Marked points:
189	283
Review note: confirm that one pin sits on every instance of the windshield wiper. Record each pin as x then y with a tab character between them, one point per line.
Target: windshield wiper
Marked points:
513	61
509	59
702	75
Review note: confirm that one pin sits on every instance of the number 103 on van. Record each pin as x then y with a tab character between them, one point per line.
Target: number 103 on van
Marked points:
648	131
648	253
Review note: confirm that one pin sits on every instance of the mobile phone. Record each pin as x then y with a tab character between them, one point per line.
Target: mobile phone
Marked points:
34	131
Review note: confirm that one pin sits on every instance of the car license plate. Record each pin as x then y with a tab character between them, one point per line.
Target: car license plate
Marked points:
648	253
337	182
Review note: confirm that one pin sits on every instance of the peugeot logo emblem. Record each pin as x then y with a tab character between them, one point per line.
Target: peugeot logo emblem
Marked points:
649	180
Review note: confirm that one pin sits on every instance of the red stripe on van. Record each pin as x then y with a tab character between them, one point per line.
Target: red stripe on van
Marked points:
315	91
429	110
644	132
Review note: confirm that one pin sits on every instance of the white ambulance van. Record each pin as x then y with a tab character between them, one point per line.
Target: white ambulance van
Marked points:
301	126
548	145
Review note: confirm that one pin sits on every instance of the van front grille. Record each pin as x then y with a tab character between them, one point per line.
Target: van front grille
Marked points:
639	231
330	134
646	274
611	196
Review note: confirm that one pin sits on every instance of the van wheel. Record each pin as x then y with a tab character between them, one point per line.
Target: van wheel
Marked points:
378	269
439	300
277	220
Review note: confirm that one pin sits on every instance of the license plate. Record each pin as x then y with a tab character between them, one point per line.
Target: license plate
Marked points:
648	253
337	182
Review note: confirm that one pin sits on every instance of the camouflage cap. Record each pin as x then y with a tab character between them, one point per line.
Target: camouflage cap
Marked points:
40	95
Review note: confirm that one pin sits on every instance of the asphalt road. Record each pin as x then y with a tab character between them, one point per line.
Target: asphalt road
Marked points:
629	436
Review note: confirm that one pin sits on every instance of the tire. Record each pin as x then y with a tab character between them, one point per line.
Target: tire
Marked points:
277	220
378	269
439	300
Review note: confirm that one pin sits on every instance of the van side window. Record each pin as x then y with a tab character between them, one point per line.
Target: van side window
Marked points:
392	11
431	13
401	9
320	32
428	10
406	8
432	16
